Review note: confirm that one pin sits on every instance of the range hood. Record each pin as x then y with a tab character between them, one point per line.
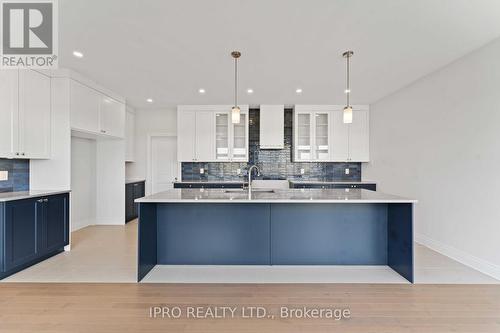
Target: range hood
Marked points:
272	126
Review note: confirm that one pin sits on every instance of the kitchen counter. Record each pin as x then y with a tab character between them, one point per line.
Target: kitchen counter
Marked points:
11	196
134	180
277	196
329	182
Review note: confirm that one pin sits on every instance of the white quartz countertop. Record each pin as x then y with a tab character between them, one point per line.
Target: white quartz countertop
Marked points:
134	180
327	182
277	196
11	196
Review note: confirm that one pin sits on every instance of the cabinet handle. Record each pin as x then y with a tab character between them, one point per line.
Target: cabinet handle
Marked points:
17	154
39	200
22	154
103	131
45	200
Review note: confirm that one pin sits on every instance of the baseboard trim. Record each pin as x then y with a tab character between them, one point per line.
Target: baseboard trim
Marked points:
462	257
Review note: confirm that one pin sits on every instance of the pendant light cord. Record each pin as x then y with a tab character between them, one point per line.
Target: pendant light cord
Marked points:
235	82
348	81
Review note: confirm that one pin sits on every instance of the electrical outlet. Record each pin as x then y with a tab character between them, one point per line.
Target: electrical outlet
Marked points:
302	171
238	172
202	171
346	171
4	175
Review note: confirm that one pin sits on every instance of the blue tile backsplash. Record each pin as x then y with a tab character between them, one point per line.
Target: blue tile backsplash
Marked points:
274	164
19	175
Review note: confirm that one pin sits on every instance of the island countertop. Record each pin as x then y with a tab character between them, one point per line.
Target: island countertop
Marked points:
276	196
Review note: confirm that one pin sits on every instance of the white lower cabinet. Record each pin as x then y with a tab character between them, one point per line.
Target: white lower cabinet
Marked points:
95	113
25	114
320	134
205	134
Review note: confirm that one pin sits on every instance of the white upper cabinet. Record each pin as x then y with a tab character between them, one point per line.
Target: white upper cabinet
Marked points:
84	107
25	114
340	137
9	113
95	113
186	135
359	137
111	117
205	134
34	114
129	136
320	134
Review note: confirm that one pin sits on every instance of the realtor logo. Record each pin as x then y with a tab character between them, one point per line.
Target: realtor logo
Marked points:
29	34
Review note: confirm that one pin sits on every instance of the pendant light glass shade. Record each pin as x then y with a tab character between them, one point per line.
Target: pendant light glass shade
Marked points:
235	115
348	107
348	115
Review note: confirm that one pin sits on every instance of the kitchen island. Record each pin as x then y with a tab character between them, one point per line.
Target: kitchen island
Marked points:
275	227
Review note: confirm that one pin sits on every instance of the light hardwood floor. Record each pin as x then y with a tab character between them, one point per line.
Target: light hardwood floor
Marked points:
125	307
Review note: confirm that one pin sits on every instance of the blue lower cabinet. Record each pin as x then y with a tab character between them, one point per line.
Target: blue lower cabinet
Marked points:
32	230
133	191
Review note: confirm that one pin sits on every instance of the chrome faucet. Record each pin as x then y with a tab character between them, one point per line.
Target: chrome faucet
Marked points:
250	177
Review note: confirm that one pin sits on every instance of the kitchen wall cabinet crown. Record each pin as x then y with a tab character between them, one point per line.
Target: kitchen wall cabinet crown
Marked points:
25	114
320	134
205	134
94	112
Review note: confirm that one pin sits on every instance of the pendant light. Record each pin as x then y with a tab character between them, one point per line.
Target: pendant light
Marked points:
235	111
348	107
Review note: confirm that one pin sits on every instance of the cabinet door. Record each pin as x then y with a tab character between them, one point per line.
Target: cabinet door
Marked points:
303	136
322	136
9	113
56	222
239	149
359	150
138	189
205	136
340	137
84	103
186	136
222	136
22	223
129	136
129	202
34	114
111	117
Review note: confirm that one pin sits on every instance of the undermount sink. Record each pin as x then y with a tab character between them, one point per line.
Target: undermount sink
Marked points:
254	190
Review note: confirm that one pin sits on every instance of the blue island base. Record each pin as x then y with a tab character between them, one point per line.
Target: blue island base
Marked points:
276	234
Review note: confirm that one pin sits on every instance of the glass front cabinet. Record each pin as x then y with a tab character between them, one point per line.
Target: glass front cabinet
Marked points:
320	135
312	139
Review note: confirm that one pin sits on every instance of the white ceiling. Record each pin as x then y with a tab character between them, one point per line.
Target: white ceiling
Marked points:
167	50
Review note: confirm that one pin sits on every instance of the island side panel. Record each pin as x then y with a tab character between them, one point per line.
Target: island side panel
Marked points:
147	239
329	234
400	239
213	234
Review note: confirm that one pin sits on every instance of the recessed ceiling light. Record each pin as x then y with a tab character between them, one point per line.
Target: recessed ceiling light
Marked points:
201	91
149	100
298	91
78	54
249	91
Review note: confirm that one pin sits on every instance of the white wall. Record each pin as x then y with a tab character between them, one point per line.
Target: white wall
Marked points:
149	122
110	176
438	141
83	183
